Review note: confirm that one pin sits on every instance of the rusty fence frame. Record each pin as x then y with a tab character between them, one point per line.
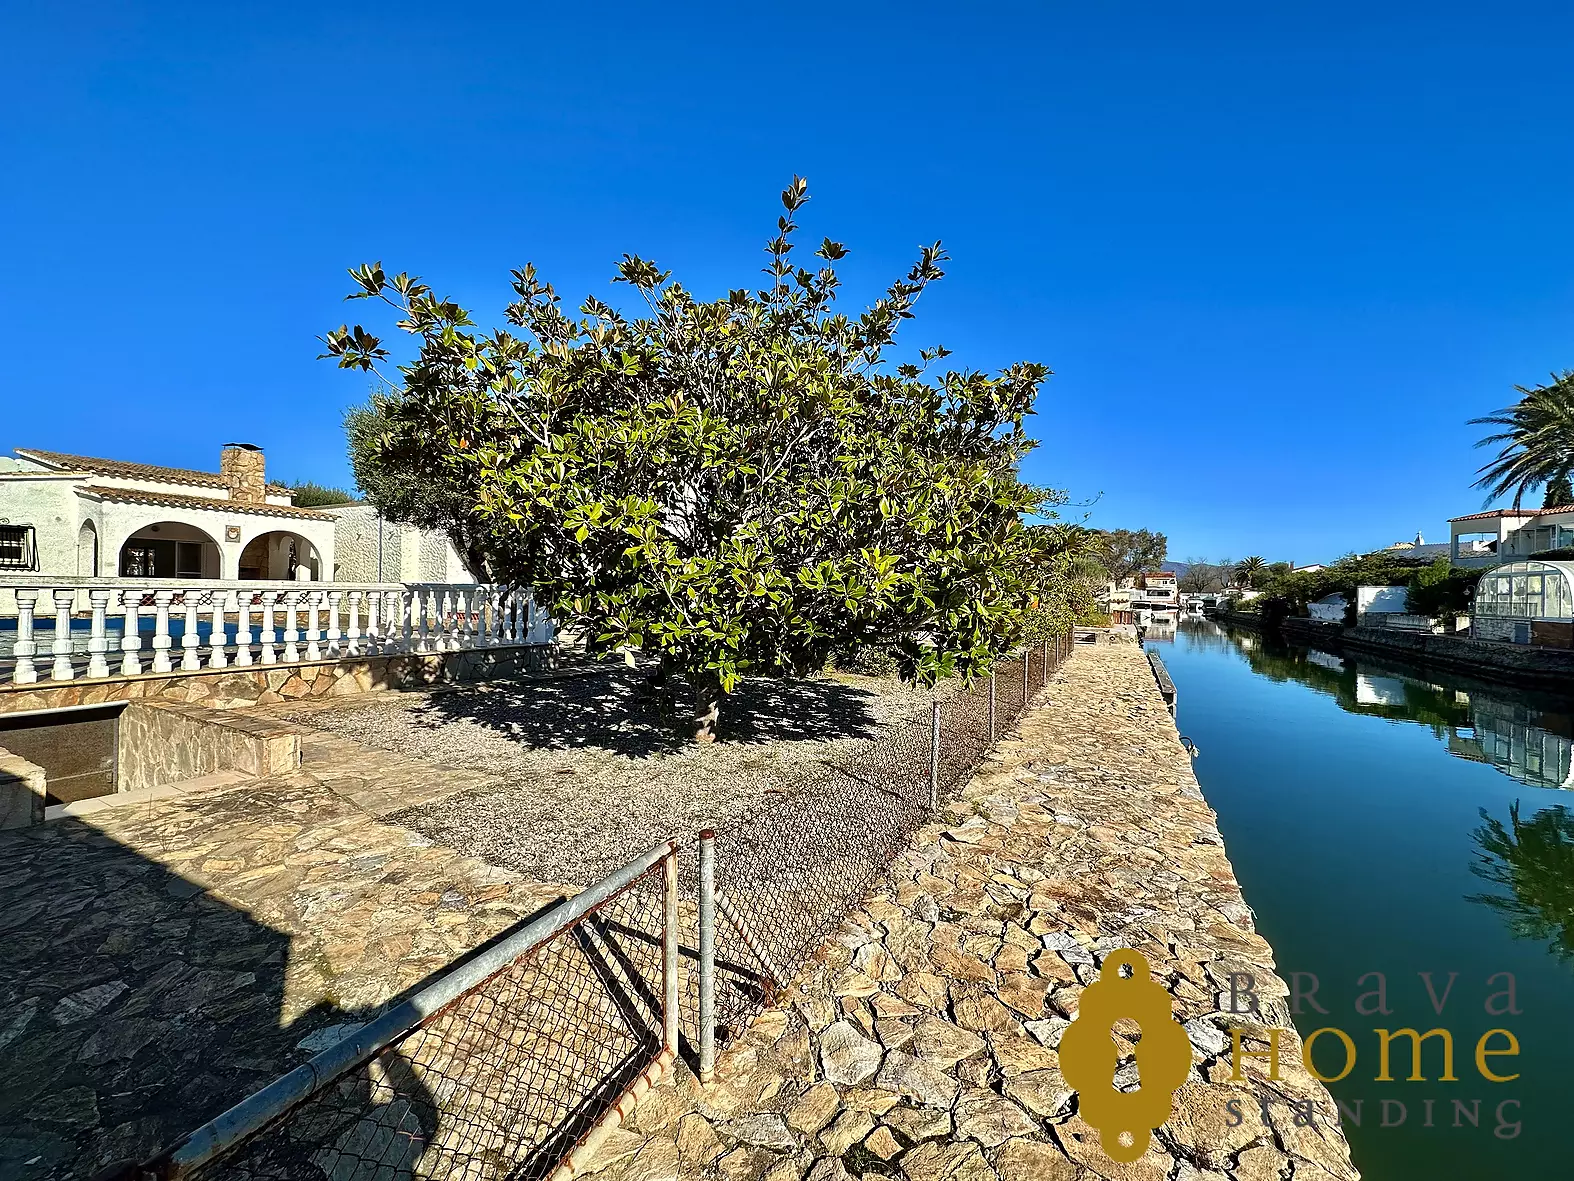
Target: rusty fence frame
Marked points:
209	1145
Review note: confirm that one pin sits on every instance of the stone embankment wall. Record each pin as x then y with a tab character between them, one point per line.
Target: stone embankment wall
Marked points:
1522	664
924	1041
232	688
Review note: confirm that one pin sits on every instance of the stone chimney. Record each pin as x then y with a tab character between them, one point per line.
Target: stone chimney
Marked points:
241	466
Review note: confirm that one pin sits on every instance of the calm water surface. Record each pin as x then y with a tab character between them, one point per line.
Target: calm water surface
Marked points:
1403	822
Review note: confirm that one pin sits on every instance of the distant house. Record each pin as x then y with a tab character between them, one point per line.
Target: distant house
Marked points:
1506	534
1134	600
1160	590
1387	606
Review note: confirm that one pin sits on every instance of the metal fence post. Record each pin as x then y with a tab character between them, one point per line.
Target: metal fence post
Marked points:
991	707
1046	662
1025	663
934	757
669	955
707	954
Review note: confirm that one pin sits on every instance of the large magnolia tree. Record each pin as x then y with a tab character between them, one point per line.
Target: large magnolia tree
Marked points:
732	487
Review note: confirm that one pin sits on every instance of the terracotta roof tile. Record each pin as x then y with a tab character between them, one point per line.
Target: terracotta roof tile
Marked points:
130	471
1498	512
212	504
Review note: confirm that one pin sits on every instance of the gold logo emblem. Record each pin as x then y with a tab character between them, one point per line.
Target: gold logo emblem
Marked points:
1088	1056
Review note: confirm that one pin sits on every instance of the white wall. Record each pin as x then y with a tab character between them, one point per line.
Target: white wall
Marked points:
1381	599
49	504
408	554
1328	610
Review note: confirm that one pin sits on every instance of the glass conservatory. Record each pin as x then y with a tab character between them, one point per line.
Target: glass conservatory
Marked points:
1527	590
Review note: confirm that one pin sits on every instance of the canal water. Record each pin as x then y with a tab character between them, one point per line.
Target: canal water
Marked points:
1404	822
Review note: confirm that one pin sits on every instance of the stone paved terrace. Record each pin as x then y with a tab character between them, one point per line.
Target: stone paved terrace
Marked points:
923	1043
160	961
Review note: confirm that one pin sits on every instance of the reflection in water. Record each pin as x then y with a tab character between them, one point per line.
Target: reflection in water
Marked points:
1534	860
1525	734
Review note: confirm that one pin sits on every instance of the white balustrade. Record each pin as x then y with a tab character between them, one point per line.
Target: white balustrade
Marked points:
131	635
216	657
335	648
189	662
356	647
63	669
270	603
161	637
423	641
242	629
98	641
314	601
362	620
292	626
26	647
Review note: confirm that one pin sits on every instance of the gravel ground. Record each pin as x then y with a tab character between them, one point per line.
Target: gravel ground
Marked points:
589	774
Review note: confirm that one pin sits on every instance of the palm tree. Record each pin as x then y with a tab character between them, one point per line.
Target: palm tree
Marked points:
1560	493
1536	442
1248	569
1534	860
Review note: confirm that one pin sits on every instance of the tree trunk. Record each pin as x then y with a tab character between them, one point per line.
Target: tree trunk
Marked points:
707	705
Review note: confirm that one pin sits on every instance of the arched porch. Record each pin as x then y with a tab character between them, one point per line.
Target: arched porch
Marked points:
280	555
169	549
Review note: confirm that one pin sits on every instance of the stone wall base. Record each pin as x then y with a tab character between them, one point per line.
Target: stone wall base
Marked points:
232	688
163	742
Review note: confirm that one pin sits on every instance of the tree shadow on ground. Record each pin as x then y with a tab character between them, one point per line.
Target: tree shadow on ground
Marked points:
135	1005
610	709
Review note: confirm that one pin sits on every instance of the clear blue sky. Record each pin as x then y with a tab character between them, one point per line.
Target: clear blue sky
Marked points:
1276	258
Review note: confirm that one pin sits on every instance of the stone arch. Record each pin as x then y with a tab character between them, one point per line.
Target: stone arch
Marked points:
169	549
279	555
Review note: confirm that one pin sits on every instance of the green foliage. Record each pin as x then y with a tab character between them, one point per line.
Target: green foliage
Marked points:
1560	492
1533	860
1440	590
739	486
1536	442
307	494
1434	587
396	471
1126	552
1251	572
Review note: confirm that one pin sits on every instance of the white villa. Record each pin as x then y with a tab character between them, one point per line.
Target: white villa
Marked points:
1507	534
1153	590
75	515
104	562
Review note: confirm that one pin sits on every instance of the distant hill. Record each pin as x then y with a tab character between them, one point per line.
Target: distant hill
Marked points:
1175	568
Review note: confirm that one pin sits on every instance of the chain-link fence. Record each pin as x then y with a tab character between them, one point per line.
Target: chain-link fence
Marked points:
516	1062
787	873
509	1066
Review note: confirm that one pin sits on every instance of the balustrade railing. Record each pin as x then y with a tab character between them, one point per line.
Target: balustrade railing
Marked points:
165	626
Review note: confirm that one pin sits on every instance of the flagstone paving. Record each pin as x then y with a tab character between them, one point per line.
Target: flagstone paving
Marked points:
923	1042
159	962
